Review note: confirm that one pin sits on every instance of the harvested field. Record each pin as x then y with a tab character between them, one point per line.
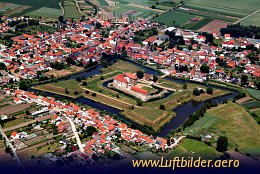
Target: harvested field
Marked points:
64	72
214	26
14	108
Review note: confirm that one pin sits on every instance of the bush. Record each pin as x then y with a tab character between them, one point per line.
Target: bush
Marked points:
185	86
201	91
102	78
66	91
196	92
139	102
85	83
94	94
86	92
209	90
78	79
162	107
76	92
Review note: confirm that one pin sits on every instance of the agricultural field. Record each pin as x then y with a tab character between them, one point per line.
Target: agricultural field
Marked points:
251	105
32	4
71	10
133	11
46	12
103	2
254	93
10	9
64	72
214	26
230	120
238	8
198	24
252	20
190	147
173	18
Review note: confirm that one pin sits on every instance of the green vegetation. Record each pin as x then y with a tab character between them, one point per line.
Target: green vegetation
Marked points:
191	147
34	5
69	84
71	10
173	18
198	24
251	105
238	8
253	93
45	12
103	2
230	120
252	20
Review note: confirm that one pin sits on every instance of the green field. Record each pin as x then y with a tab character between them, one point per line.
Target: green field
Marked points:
140	12
253	93
252	20
35	4
169	17
236	8
251	105
230	120
46	12
190	147
197	25
148	2
103	2
71	10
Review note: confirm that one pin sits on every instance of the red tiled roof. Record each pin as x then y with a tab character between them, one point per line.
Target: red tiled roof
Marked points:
139	90
121	78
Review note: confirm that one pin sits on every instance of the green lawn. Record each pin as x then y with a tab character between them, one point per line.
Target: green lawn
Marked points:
173	18
190	147
254	93
230	120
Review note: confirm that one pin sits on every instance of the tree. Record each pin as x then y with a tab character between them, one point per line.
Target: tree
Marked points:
61	19
209	90
102	78
2	66
155	78
140	74
76	92
66	91
209	38
244	79
90	130
222	144
162	107
78	79
204	68
85	83
27	112
94	94
196	92
23	85
139	102
184	86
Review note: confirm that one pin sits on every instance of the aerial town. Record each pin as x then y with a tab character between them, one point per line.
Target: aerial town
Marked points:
102	86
